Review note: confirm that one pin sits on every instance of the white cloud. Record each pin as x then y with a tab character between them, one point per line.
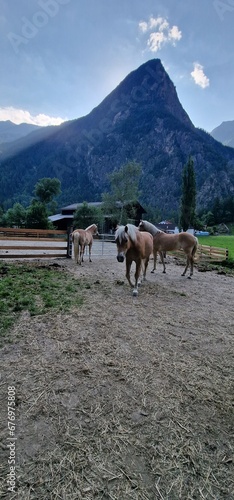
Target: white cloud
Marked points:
174	34
164	33
18	116
143	26
159	22
155	41
199	76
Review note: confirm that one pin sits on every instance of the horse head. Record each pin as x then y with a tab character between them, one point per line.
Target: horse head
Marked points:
150	228
96	230
121	239
141	226
93	229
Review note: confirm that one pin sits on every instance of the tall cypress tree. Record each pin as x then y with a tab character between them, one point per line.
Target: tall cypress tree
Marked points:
188	198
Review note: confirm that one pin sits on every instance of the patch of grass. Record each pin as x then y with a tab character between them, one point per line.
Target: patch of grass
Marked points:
220	241
36	289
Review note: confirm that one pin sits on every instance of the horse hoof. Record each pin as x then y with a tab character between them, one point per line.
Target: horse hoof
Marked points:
152	271
164	272
189	277
135	293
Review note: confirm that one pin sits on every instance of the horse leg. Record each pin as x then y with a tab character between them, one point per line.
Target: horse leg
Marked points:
76	252
137	274
81	254
191	266
163	262
155	261
90	247
192	257
83	251
128	267
142	272
186	267
145	268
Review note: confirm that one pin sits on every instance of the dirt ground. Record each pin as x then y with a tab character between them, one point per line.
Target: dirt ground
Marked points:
125	397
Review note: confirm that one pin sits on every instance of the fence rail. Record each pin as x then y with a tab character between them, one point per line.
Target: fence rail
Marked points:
33	243
36	233
42	243
207	253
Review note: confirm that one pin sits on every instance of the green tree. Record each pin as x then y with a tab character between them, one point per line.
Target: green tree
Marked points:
153	214
209	219
228	209
46	189
188	198
124	192
16	216
87	215
3	222
37	217
217	210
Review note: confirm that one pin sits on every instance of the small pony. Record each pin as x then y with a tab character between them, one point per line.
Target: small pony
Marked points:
135	246
164	242
81	238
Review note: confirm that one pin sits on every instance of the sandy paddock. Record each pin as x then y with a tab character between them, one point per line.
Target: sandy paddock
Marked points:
122	397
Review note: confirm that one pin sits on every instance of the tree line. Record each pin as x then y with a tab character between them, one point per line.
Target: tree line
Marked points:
35	216
119	203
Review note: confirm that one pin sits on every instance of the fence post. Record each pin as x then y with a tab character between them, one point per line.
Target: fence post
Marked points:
69	242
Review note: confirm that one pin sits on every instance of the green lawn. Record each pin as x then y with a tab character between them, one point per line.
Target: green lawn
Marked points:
220	242
37	289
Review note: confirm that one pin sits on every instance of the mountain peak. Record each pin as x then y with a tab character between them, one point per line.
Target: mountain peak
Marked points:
147	85
141	120
224	133
10	131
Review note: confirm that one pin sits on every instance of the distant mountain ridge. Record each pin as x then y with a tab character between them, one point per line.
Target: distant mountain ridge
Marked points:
141	120
224	133
10	132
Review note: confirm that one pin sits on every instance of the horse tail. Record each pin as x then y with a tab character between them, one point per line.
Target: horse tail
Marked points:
74	234
75	240
195	247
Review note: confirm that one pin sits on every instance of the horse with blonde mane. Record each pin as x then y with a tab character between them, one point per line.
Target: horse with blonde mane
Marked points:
134	246
164	242
81	238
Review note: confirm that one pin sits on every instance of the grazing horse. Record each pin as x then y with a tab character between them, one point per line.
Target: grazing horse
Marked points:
135	246
81	238
167	242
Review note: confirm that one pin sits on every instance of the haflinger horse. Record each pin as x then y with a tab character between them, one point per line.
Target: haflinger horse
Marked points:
134	246
81	238
164	242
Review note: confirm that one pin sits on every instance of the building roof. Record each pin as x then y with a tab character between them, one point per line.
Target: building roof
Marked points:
68	211
56	217
74	206
165	225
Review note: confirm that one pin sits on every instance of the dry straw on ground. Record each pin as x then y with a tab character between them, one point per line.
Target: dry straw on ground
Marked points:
125	398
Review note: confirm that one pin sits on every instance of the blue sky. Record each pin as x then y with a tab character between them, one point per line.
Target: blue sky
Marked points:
60	58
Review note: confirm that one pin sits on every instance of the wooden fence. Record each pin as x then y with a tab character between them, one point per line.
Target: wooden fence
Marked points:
206	253
33	243
51	243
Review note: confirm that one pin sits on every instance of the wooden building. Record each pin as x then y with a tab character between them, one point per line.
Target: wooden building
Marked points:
64	220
